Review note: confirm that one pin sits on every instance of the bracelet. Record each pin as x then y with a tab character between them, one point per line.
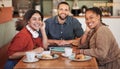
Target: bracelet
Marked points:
83	51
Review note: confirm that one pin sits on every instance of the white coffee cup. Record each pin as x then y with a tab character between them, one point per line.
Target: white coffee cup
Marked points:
30	56
45	52
68	51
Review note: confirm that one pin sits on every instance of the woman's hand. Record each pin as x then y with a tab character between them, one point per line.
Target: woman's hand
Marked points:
87	30
85	35
38	50
42	26
77	51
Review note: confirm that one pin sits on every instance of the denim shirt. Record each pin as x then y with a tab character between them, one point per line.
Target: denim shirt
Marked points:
67	31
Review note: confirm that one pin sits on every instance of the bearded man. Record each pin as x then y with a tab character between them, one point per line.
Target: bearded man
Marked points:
63	29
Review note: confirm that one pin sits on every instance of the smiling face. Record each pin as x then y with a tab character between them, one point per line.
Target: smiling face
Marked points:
63	11
35	21
92	19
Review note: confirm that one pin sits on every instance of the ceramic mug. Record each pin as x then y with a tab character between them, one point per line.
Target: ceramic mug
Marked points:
68	51
30	56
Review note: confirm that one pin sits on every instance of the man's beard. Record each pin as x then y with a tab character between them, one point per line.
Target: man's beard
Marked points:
61	17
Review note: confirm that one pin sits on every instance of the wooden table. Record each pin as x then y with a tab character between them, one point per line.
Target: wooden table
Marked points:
59	63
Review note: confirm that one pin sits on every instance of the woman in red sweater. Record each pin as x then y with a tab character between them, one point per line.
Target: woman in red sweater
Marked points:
28	38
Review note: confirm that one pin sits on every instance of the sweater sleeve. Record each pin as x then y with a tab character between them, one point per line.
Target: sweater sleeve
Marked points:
102	44
18	44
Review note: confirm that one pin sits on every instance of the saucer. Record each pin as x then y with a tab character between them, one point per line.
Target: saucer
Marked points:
85	59
35	60
53	57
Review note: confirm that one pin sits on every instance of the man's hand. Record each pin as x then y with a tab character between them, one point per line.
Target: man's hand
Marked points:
64	42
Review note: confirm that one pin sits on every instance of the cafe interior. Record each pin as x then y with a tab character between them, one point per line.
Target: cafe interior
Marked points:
12	10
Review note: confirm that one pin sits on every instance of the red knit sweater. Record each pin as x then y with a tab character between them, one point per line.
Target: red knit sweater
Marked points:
23	41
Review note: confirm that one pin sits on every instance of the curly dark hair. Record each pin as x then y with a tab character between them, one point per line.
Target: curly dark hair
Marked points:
98	12
20	23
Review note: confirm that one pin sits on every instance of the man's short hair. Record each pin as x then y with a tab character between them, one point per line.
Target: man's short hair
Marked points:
63	3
